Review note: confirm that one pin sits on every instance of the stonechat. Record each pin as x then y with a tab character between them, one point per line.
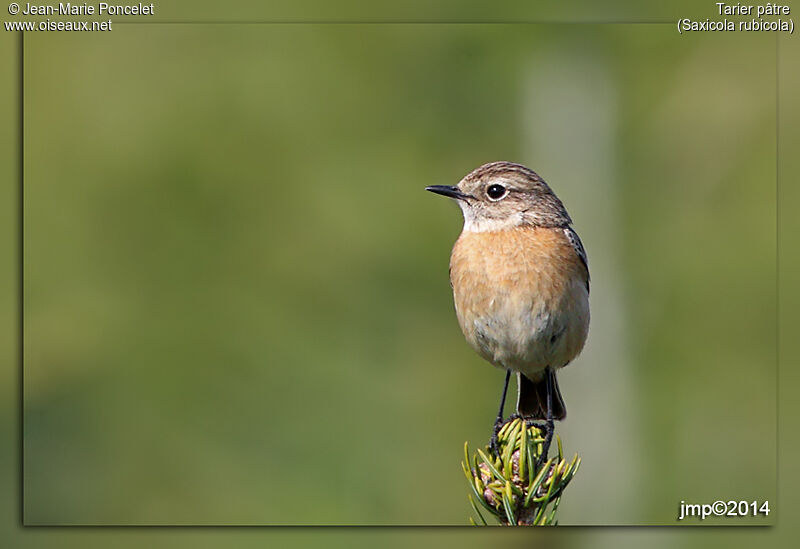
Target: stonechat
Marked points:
520	279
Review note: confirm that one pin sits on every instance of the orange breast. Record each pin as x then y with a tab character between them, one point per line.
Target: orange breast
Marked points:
521	296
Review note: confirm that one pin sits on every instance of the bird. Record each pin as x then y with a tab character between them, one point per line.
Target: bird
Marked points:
520	280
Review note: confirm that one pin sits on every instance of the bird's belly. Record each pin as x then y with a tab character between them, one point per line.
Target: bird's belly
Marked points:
521	313
526	335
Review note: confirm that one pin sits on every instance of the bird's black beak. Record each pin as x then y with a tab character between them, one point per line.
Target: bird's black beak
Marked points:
447	190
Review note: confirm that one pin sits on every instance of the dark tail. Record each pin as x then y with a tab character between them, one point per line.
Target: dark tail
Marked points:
532	398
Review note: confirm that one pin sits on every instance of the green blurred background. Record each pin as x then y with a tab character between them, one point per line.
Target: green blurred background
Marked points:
236	297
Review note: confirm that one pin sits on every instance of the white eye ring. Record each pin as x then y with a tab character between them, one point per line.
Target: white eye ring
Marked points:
496	192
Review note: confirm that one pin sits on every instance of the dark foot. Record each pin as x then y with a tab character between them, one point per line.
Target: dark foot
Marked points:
499	421
549	429
549	426
493	446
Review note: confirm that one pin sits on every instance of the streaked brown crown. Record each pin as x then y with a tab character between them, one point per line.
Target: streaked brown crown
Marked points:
528	200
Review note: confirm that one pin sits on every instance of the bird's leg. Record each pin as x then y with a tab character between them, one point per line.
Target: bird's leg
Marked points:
549	425
499	421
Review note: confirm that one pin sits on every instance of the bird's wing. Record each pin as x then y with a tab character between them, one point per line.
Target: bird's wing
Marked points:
577	245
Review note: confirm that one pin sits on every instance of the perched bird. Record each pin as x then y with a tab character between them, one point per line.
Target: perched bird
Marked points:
520	279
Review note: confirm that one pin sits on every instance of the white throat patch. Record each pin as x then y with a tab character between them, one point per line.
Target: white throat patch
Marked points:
476	224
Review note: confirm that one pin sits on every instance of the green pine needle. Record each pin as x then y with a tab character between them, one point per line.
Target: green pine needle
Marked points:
509	485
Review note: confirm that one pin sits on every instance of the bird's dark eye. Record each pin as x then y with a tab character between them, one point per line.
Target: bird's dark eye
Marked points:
496	192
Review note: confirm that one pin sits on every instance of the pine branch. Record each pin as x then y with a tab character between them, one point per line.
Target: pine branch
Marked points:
513	486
